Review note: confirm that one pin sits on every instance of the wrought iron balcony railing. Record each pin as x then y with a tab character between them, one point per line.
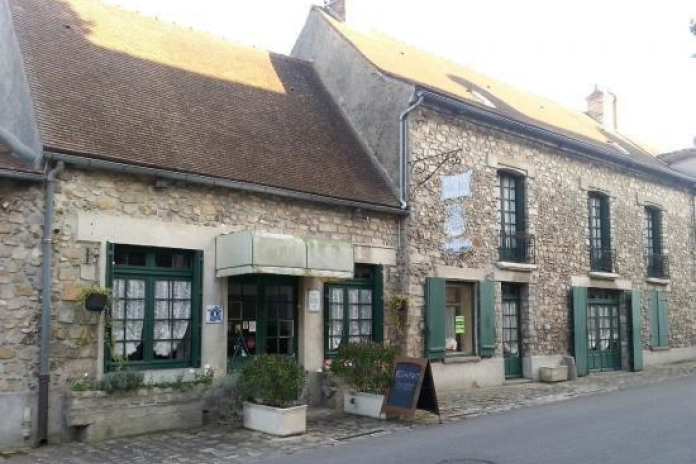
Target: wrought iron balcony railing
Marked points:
658	265
602	259
517	247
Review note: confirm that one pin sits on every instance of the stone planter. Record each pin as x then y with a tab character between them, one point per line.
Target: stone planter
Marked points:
275	421
96	415
363	404
553	374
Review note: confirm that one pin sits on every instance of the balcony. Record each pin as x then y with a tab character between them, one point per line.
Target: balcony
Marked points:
657	266
517	247
602	260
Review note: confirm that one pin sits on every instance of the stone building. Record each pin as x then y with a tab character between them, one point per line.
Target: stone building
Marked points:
534	232
191	174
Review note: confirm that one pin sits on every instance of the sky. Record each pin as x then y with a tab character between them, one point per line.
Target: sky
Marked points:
641	50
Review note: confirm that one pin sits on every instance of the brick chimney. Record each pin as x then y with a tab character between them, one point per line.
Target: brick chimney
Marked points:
601	106
336	8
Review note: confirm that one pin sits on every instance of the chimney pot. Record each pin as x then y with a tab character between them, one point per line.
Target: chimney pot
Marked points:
336	8
601	106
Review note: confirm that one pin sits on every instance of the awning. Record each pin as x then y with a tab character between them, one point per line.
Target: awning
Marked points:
252	252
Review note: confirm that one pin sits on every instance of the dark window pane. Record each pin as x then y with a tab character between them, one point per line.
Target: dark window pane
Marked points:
173	260
363	272
125	257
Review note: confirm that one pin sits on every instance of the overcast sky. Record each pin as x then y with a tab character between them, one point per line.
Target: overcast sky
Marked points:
641	50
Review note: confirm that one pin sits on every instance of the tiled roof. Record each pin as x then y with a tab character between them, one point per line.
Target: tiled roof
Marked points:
10	163
120	86
409	64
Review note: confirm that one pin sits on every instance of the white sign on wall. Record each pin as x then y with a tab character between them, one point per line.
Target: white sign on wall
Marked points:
314	301
456	186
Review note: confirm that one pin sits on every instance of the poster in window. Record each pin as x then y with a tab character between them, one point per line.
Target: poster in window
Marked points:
459	326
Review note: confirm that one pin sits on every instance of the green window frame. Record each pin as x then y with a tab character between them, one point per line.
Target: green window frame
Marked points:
436	314
601	255
353	309
656	260
514	242
154	320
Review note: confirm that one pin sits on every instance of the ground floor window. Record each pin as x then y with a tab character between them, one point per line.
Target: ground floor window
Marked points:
352	309
154	319
459	318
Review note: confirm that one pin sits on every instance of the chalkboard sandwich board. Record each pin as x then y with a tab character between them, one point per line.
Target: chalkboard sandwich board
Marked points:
411	387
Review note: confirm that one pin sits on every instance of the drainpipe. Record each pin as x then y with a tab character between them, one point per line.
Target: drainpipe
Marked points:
46	291
403	162
26	154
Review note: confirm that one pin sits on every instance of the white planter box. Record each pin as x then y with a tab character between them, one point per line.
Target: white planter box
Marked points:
553	374
363	404
275	421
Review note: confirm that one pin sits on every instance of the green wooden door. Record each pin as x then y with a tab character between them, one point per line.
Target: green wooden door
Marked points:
512	343
262	317
603	337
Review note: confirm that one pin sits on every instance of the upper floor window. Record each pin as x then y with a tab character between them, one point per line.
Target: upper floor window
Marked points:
656	260
601	254
515	244
154	320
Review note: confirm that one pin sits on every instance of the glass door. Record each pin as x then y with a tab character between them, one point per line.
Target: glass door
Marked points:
262	317
512	346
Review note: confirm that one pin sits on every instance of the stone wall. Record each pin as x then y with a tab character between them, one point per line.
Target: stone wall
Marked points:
21	228
135	197
557	186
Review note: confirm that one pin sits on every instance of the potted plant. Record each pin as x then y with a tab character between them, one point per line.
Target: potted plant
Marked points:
95	298
367	368
271	387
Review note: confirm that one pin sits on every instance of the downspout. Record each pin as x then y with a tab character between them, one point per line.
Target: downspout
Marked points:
23	152
403	163
46	293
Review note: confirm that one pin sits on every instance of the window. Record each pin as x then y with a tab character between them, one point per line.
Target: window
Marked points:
155	315
459	318
515	244
353	309
656	260
601	254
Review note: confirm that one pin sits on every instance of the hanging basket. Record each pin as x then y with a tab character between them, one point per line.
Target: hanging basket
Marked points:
96	302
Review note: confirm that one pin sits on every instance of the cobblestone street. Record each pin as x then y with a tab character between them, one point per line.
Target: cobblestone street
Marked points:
212	445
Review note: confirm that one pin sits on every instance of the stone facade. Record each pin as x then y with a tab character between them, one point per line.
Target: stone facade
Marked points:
557	185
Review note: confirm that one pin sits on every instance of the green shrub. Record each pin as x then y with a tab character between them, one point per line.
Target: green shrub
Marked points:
121	381
272	380
366	366
223	399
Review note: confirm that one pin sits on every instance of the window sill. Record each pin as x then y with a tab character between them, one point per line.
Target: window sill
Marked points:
461	359
604	275
658	281
512	266
659	348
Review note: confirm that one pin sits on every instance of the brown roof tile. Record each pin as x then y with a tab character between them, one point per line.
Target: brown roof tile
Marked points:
412	65
117	85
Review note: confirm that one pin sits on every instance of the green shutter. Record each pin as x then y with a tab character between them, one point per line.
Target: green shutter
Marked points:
663	319
487	318
378	306
196	308
654	318
580	329
521	204
435	317
636	331
109	283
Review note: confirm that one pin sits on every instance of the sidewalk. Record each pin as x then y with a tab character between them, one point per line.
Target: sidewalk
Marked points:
213	445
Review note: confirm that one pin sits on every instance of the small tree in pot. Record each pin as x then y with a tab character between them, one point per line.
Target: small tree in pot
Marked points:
271	387
367	368
95	298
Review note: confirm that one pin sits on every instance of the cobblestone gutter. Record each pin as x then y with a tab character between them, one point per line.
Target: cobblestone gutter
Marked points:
212	445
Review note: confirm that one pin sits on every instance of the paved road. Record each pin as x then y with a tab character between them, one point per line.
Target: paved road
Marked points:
654	424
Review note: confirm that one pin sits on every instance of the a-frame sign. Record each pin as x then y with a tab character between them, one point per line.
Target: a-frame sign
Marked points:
411	387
